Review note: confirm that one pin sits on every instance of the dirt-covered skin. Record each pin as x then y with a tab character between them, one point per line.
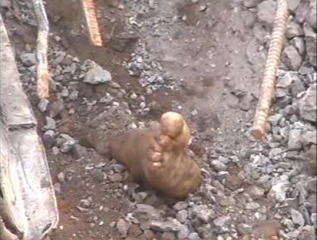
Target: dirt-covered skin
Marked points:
159	157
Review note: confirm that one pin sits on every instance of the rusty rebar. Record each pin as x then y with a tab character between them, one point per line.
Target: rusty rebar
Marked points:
92	23
273	59
43	75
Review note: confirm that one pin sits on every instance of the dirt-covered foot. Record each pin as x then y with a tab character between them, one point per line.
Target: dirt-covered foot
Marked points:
159	157
167	166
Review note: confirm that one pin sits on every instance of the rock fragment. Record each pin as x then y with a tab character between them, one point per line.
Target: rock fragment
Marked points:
307	105
97	75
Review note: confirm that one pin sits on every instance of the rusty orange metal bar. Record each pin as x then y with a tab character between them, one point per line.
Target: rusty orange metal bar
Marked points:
92	22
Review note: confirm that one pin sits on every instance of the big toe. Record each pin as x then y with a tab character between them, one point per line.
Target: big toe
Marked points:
172	124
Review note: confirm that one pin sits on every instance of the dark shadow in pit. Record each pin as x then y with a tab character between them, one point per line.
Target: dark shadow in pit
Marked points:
67	21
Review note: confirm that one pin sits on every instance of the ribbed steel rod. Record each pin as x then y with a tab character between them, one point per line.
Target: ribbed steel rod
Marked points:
259	128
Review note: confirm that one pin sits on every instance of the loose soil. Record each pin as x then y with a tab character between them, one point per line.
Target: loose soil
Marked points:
206	51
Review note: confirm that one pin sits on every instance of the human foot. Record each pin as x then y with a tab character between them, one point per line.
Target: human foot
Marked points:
158	156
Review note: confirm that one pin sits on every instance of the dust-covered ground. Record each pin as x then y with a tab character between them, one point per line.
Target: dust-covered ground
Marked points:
204	59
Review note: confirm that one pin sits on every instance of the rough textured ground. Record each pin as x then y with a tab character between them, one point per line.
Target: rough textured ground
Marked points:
204	59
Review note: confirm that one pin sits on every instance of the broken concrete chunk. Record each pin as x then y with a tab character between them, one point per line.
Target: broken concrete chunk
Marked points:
294	30
292	58
307	105
311	44
97	75
266	12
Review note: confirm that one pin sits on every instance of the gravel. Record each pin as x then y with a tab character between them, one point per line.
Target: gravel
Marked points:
231	196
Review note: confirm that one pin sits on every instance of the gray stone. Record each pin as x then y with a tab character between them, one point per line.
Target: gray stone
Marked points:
255	56
56	108
280	186
122	227
292	58
193	236
222	221
255	192
223	159
313	219
79	151
292	234
139	197
183	232
294	30
43	104
205	231
260	33
275	153
55	151
251	3
5	3
97	75
246	102
182	215
73	95
66	137
285	81
65	92
309	137
252	206
265	182
67	146
244	229
275	119
266	12
165	226
121	42
293	119
58	59
61	177
292	5
117	177
218	166
118	168
297	87
283	102
305	70
311	45
180	206
28	59
203	213
302	11
288	223
307	105
98	175
311	15
49	138
294	139
144	212
297	217
85	203
281	92
311	185
227	201
50	124
307	233
299	44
